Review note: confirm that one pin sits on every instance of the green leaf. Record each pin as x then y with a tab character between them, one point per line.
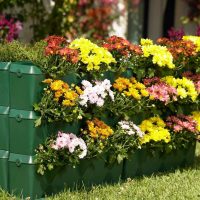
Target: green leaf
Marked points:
38	122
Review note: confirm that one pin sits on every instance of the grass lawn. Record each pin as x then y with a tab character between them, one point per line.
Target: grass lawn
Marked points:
183	184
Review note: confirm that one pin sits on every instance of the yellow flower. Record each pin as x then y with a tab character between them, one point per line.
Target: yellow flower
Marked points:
145	42
47	81
196	117
154	129
98	129
130	87
56	85
160	55
185	87
91	54
58	93
194	39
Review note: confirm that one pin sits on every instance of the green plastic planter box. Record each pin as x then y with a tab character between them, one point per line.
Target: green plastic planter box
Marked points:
24	137
23	178
180	158
4	130
25	85
73	127
4	169
4	80
142	162
96	171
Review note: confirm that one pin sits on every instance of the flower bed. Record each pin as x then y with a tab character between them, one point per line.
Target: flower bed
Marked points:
101	112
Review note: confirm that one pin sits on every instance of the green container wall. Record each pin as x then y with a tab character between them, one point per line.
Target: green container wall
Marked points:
142	162
23	178
25	85
72	78
4	131
4	169
74	127
95	172
180	158
24	137
4	80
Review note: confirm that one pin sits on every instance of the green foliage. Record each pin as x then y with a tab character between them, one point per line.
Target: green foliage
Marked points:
48	158
14	51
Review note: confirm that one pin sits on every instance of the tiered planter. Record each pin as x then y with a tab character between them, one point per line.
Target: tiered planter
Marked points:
19	138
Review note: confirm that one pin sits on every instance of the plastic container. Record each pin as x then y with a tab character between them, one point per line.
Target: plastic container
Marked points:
24	180
4	80
25	85
4	128
4	169
24	137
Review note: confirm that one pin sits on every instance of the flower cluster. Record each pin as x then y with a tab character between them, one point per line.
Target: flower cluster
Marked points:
154	129
160	54
185	87
59	102
58	46
131	88
196	117
175	34
193	77
92	55
95	94
9	28
62	92
130	128
70	142
179	48
161	91
194	39
98	129
181	123
118	45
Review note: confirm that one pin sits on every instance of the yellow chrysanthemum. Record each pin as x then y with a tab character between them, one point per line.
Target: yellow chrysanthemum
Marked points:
160	55
130	87
145	42
185	87
91	54
196	117
98	129
194	39
154	129
56	85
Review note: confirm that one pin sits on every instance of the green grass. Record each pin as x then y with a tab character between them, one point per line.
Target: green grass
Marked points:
180	185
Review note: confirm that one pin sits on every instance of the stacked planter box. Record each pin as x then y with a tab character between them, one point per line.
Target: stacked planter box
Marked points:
4	132
25	90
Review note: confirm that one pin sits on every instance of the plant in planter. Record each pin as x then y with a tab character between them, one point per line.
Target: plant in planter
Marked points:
186	90
153	60
59	103
123	51
94	97
94	60
60	150
181	51
97	135
125	141
130	97
183	130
